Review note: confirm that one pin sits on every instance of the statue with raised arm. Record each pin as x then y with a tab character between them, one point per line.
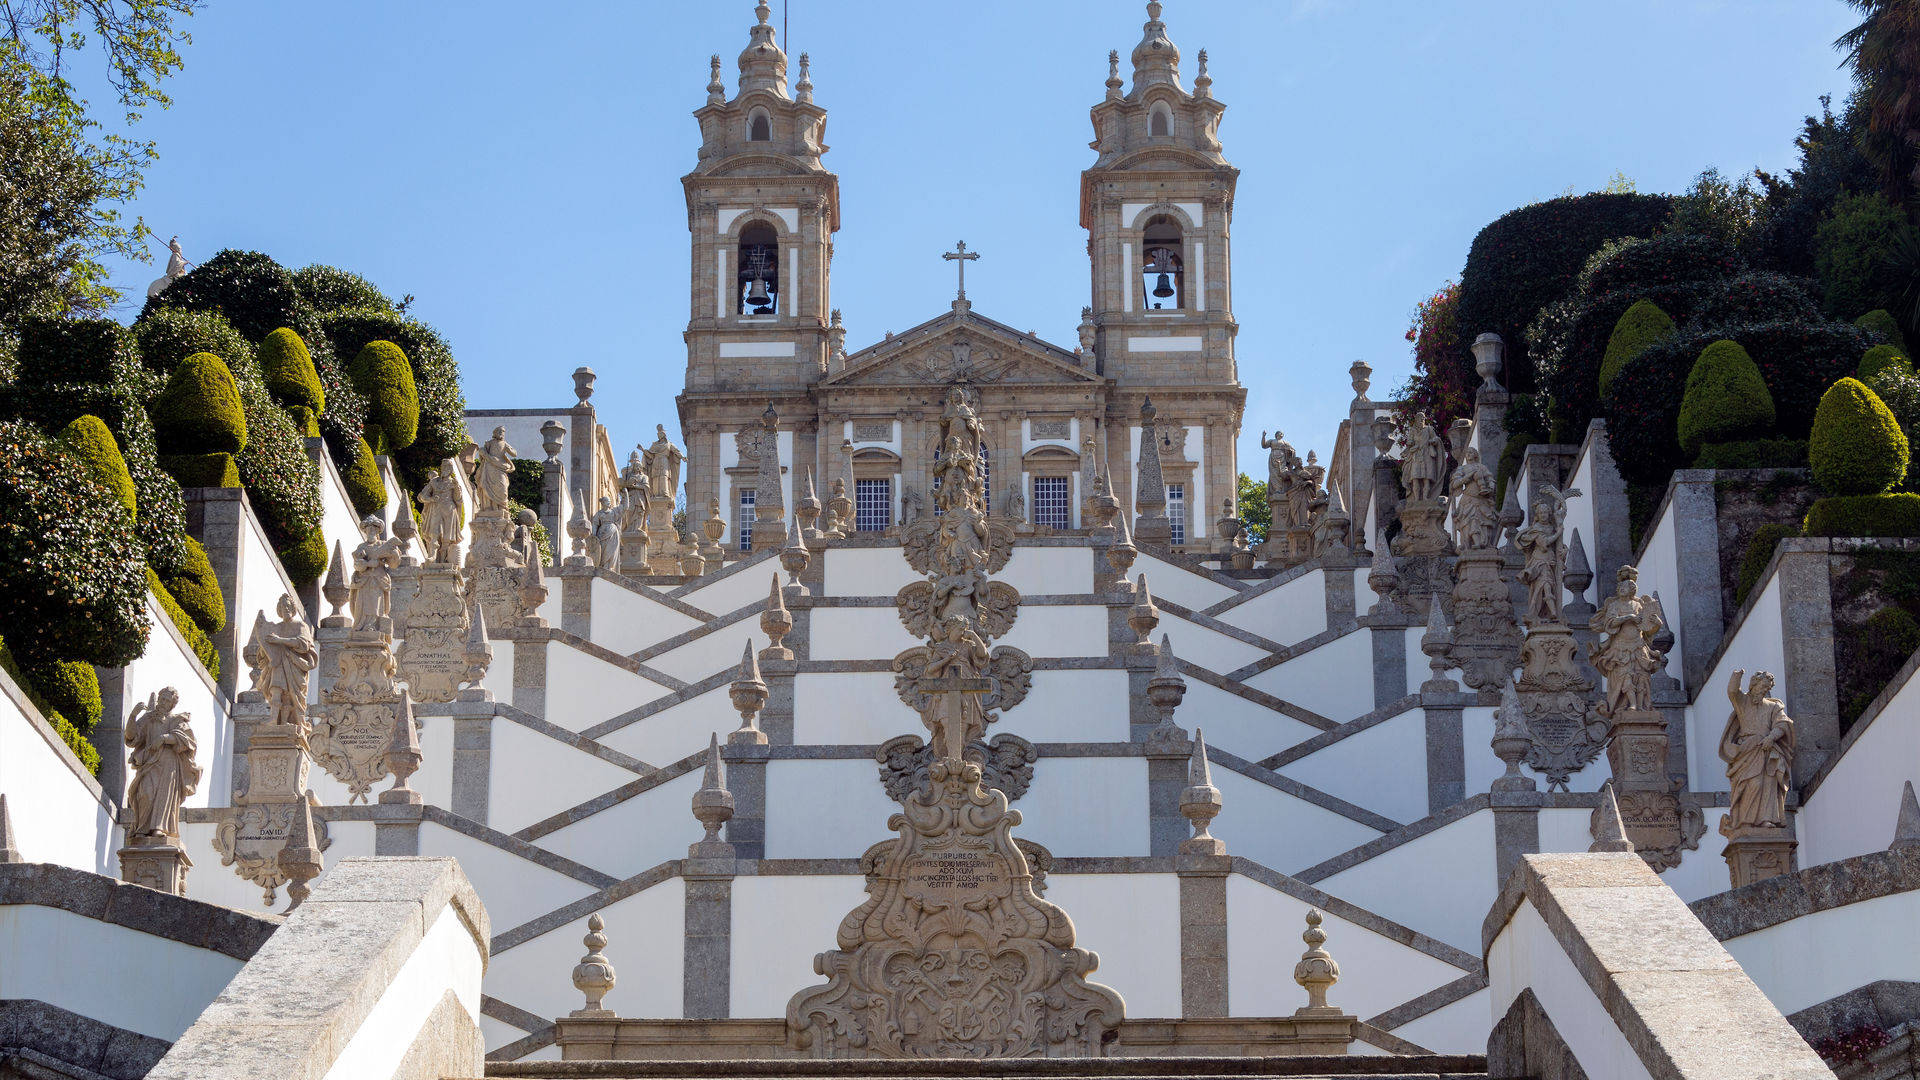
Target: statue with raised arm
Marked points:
663	460
1544	546
1623	652
370	594
288	657
1476	522
442	508
1281	461
491	468
1758	746
164	771
1423	461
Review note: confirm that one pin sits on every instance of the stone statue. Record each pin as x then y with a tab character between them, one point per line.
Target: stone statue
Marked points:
1542	543
606	535
177	267
1303	483
663	461
1758	746
523	541
1476	522
370	596
1281	461
1013	505
636	492
164	772
491	467
912	504
441	508
1424	460
1625	654
288	657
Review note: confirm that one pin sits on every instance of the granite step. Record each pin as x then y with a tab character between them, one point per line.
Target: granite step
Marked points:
1412	1067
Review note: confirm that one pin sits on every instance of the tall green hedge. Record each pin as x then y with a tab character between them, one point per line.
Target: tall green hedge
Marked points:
71	735
1847	249
196	638
443	407
305	559
1726	399
1640	328
57	350
288	369
72	688
88	439
365	487
1857	447
199	411
197	590
256	294
1882	322
171	335
381	372
329	288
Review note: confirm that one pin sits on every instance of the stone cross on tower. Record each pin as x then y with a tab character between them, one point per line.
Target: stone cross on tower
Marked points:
962	256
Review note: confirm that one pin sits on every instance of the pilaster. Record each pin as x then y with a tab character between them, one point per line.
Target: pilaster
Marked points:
576	601
1806	626
530	674
217	517
1203	933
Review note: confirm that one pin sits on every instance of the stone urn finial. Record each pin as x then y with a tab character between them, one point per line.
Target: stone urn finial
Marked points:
1511	740
335	590
593	976
749	696
794	559
1167	689
776	621
300	858
583	378
552	437
1437	643
1489	351
1609	829
1316	970
1361	375
712	805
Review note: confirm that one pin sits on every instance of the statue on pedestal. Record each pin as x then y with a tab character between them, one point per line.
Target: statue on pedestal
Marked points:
1476	523
662	462
164	771
370	596
1542	543
1758	746
491	468
288	657
606	535
1624	654
441	508
1423	461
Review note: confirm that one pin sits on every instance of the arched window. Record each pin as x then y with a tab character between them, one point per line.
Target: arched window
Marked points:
1160	120
759	126
1163	271
758	288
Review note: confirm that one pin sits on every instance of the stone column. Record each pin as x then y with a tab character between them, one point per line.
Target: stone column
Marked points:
217	517
554	491
1696	519
707	978
586	479
1203	865
1810	682
1360	452
576	601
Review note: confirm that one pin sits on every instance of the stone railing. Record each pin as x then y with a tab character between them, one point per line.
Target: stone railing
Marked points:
1598	969
377	975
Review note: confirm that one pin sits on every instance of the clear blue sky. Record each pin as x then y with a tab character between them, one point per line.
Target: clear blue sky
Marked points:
516	167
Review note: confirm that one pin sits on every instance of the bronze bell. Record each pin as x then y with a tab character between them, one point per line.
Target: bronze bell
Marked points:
757	293
1164	288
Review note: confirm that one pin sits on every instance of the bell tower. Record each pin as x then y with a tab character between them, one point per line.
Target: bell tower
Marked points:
1158	209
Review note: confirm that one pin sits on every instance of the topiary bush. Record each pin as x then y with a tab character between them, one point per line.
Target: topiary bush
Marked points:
1640	328
1881	358
57	350
88	440
305	559
202	470
329	288
304	421
1725	400
72	688
1758	554
1897	514
382	373
1753	454
1881	321
442	429
1857	447
1847	250
70	564
283	483
287	369
1753	297
75	740
255	293
197	589
196	638
199	410
170	336
365	487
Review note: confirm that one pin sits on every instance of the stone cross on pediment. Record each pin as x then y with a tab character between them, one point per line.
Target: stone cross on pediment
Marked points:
960	257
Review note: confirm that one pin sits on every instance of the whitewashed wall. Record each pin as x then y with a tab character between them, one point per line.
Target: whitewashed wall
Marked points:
1328	680
107	972
1757	644
1526	956
1289	614
1454	866
1805	961
169	662
57	811
1852	811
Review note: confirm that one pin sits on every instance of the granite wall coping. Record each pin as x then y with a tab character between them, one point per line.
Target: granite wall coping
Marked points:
1786	897
42	1040
224	930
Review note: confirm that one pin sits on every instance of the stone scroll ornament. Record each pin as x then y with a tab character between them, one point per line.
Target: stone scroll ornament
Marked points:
954	953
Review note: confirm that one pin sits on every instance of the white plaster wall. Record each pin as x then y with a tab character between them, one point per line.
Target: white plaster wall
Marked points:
337	519
742	588
262	581
1758	645
1454	868
1805	961
1569	829
583	690
1853	810
1210	649
1526	955
107	972
1234	724
531	777
1263	939
633	836
872	633
513	889
167	662
1049	571
1085	807
801	824
1059	631
648	928
703	656
1132	922
867	572
523	432
1459	1028
627	622
56	816
217	884
1660	572
1703	872
1419	669
1176	583
1277	830
1383	768
1334	680
1293	612
674	732
497	1034
1476	737
779	924
446	959
1071	706
851	708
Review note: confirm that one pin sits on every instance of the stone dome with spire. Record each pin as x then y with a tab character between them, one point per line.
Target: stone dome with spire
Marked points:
762	65
762	129
1157	114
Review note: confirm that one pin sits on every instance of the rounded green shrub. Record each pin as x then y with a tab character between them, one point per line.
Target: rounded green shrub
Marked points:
196	638
442	429
1758	554
198	590
1865	515
1642	326
306	559
329	288
170	336
365	488
288	369
1880	358
255	293
1726	399
1882	322
382	373
88	439
1857	447
199	410
202	470
72	688
304	421
56	349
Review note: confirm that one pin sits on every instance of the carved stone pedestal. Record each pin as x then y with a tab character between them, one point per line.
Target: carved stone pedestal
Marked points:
271	837
492	540
157	866
663	546
1422	529
1564	725
1486	638
434	653
1758	852
353	726
1659	822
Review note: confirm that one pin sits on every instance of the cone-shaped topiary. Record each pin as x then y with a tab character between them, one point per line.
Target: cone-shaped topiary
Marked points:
304	421
365	488
1882	322
199	411
196	638
288	369
1640	327
202	470
1726	399
71	687
89	440
305	560
1857	447
198	590
1880	358
382	373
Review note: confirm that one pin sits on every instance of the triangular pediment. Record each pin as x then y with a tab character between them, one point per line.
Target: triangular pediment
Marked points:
961	347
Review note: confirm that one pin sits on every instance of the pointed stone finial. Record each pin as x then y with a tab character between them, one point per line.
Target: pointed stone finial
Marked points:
300	858
594	976
1511	740
1143	616
775	622
1336	502
716	89
1609	832
335	589
1579	573
533	591
479	654
712	807
403	755
1200	802
749	696
579	530
10	850
1383	577
1167	689
1437	643
1316	972
803	90
1906	831
1115	84
1203	82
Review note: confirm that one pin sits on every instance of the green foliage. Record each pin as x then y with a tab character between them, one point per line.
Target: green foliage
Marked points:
1882	358
1884	52
202	470
1254	510
1830	166
196	638
1530	257
329	289
283	484
70	565
1865	515
1754	296
365	488
382	373
1857	447
304	421
287	368
1726	399
198	412
1753	454
74	350
72	688
1848	248
1759	553
197	590
169	336
89	441
71	735
1642	326
1439	386
1878	650
436	376
305	559
1882	322
1718	207
526	484
252	291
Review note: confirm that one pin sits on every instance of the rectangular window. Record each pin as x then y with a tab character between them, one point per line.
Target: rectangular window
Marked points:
743	521
1050	501
1177	511
872	505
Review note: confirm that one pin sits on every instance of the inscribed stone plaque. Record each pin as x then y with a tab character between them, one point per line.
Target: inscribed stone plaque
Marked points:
955	879
1058	428
873	430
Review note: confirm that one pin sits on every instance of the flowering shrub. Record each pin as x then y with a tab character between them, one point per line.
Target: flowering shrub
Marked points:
1856	1045
1439	388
